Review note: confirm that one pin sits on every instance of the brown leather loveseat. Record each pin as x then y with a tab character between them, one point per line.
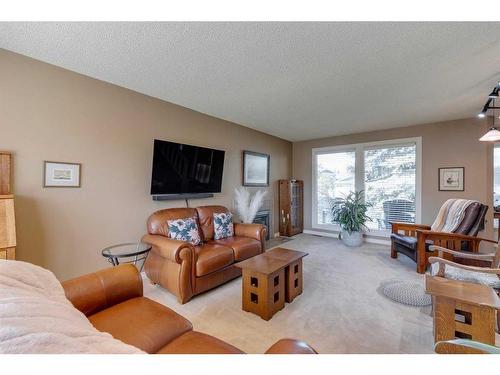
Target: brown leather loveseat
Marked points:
186	270
112	299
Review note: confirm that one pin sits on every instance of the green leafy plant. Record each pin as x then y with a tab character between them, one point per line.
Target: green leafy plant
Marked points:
350	212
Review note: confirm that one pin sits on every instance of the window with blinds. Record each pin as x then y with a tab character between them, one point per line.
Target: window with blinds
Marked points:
335	179
386	171
390	184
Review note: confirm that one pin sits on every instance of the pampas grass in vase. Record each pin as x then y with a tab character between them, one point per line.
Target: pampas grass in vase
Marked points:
247	206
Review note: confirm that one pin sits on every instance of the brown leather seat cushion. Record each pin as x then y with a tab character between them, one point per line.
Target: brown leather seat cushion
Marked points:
243	247
212	257
142	323
409	241
198	343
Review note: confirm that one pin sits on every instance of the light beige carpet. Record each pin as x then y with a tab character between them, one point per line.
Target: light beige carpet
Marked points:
340	310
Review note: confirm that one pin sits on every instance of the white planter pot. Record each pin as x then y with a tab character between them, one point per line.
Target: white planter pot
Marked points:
354	239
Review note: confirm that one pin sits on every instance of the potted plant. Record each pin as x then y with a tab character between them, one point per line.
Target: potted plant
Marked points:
350	213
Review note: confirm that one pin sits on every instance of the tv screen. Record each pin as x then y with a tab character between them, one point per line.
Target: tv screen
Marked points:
186	169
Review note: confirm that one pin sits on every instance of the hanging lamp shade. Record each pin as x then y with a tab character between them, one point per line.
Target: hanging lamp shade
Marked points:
493	135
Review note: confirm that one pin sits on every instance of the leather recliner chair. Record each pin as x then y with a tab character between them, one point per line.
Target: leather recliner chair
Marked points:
186	270
112	299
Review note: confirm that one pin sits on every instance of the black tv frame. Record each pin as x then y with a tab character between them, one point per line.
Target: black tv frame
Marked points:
183	196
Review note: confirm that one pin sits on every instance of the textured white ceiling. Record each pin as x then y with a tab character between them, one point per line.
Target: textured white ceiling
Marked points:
294	80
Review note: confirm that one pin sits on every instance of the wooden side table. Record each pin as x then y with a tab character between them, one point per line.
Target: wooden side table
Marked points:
263	290
462	310
293	270
270	279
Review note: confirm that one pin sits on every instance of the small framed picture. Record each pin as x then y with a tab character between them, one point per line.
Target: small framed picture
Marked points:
59	174
255	169
451	179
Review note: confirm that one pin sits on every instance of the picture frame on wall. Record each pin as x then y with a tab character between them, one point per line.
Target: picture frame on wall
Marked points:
451	179
61	174
255	169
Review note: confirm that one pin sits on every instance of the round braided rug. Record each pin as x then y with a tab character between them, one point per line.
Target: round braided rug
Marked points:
405	292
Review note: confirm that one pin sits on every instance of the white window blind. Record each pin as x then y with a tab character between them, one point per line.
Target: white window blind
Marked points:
387	171
335	179
390	184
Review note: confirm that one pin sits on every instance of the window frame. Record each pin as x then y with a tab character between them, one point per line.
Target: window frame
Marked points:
359	177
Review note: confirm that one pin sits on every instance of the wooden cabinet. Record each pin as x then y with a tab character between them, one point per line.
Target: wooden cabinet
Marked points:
7	219
7	227
5	172
291	207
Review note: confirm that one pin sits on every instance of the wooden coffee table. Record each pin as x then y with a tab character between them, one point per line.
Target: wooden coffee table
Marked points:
271	279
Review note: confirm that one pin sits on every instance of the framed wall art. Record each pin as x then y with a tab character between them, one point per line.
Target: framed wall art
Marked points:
451	179
255	169
60	174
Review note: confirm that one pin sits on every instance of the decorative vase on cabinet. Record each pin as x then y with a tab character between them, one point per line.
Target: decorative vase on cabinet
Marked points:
291	207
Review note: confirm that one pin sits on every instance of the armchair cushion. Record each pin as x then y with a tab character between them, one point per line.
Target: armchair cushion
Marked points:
243	247
454	273
408	241
212	257
142	323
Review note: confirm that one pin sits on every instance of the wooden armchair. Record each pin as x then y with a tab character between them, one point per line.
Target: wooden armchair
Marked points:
415	240
475	268
464	346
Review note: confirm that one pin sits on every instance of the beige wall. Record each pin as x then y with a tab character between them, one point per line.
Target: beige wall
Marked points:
446	144
48	113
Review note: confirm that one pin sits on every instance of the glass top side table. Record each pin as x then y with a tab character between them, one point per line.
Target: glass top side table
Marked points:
127	253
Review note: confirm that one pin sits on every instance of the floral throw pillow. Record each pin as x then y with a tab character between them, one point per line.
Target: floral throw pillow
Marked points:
223	225
184	230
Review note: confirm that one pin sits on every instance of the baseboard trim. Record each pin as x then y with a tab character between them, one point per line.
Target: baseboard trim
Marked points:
380	241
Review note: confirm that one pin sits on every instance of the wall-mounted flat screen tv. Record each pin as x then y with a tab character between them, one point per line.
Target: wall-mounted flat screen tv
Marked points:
186	169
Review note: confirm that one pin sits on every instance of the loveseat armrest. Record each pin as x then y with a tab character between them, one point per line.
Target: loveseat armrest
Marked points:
173	250
290	346
97	291
256	231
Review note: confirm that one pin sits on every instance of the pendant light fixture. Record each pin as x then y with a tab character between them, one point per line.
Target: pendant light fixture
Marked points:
493	134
